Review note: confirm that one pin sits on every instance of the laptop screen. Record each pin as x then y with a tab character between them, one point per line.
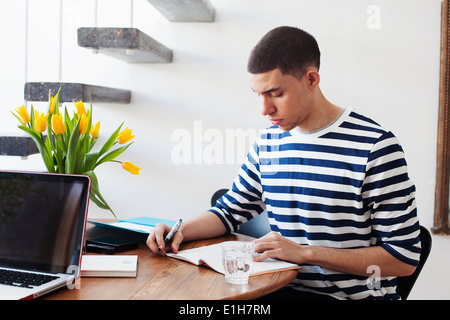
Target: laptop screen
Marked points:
42	220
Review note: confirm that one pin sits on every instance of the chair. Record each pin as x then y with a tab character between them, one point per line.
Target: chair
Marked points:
217	195
256	227
405	284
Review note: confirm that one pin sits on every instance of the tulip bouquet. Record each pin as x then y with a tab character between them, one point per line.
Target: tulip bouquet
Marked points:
68	145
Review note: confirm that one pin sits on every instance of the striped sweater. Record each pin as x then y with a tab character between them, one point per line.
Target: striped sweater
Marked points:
342	186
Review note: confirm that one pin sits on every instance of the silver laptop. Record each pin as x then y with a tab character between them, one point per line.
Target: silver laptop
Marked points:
42	226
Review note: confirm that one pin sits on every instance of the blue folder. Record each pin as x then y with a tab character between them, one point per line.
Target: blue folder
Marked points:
134	224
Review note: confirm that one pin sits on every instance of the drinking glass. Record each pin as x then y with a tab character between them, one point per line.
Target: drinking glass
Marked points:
237	259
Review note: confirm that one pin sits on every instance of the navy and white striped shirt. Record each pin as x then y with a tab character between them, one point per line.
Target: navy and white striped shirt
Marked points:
342	186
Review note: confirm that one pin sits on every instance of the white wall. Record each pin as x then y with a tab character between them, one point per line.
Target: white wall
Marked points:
380	57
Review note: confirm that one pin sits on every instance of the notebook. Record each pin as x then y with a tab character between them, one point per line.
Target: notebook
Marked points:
109	266
211	256
138	224
42	226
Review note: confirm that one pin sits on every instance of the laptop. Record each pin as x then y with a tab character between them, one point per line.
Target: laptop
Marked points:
42	227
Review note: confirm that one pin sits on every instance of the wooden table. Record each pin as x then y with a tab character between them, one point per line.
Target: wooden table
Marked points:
164	278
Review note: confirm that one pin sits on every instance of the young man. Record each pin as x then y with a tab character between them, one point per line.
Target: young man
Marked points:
334	183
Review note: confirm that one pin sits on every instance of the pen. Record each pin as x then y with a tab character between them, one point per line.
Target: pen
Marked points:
172	232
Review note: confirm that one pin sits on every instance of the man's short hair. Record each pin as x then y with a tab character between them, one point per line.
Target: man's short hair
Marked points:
289	49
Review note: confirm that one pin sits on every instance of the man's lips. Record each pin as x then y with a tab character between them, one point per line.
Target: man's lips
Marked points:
275	122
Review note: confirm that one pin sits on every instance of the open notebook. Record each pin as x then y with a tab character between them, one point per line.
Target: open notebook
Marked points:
211	256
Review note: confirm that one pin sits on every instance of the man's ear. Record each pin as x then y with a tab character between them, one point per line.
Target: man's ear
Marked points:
313	78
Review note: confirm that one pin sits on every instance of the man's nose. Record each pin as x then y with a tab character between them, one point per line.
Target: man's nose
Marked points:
268	106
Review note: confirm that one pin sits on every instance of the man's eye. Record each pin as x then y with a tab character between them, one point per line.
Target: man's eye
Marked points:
276	94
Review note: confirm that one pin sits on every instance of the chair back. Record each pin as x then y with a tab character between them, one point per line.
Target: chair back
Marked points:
217	195
256	227
405	284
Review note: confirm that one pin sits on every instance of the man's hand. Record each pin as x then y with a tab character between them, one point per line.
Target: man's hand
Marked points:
204	226
155	240
351	261
274	245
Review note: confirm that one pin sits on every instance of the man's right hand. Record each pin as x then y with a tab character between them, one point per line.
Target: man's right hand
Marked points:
155	240
204	226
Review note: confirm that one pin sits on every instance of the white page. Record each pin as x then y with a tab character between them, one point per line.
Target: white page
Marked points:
212	256
133	226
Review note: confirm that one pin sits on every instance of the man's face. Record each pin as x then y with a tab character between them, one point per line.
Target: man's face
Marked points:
286	99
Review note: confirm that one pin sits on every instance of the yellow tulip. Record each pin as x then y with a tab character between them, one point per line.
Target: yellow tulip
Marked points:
95	130
80	107
84	121
23	114
125	136
58	124
52	105
130	167
40	123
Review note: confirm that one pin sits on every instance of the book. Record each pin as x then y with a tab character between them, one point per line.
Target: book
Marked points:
109	266
139	224
211	256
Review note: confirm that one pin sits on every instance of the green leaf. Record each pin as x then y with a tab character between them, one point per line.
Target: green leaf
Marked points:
32	117
96	196
98	202
32	133
59	153
49	139
90	161
92	142
49	126
46	156
110	142
59	142
113	154
84	142
89	115
79	163
68	122
72	149
15	115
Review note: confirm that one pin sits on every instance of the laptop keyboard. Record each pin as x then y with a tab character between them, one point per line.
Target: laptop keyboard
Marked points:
24	279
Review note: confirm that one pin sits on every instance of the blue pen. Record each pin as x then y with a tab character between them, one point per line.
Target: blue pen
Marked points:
172	232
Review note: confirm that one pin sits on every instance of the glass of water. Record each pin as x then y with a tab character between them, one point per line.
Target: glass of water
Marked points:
237	259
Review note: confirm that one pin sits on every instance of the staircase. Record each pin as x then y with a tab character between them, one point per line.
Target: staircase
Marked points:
127	44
